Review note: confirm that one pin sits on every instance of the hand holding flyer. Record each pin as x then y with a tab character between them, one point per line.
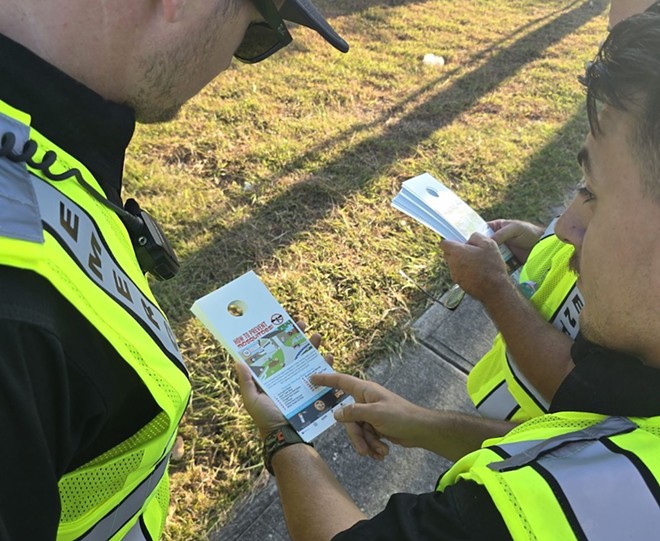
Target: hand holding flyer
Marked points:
432	204
255	329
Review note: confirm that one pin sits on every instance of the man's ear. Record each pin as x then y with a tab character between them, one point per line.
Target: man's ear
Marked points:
172	9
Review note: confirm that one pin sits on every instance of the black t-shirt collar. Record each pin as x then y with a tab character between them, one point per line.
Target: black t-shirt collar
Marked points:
92	129
607	382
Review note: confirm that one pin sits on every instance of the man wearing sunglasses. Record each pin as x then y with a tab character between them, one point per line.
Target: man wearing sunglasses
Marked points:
92	385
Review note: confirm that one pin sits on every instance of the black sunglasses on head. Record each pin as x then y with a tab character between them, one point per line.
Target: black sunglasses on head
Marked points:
262	39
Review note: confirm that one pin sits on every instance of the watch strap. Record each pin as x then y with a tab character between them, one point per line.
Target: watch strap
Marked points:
279	439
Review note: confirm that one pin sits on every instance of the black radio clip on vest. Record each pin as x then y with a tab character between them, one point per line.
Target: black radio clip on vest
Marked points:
153	250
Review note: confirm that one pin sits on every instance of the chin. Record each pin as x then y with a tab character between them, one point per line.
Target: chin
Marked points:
155	116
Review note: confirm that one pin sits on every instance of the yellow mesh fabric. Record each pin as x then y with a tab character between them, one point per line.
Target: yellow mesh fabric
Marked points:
103	477
547	267
555	257
550	284
163	498
554	421
655	430
527	502
520	512
84	490
89	492
164	385
155	428
540	258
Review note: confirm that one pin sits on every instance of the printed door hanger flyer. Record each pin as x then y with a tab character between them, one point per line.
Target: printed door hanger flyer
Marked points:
427	200
254	328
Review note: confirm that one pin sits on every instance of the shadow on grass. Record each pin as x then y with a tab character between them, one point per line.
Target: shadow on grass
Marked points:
311	154
293	212
557	160
333	8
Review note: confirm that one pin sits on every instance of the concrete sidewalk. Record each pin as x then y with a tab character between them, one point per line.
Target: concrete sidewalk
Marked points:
431	372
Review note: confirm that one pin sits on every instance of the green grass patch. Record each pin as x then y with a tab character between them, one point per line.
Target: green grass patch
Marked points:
288	168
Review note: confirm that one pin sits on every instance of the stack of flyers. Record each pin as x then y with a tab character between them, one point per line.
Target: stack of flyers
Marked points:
432	204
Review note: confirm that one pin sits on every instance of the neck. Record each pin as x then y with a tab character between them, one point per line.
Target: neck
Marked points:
90	42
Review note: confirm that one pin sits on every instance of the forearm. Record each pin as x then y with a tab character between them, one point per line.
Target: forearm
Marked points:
316	507
541	351
453	435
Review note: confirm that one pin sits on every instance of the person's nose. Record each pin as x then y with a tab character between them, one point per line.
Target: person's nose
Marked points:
572	224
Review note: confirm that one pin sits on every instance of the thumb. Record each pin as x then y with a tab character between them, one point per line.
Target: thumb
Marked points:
502	235
505	234
245	380
479	240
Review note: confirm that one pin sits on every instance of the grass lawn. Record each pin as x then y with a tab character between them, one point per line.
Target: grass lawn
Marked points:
288	167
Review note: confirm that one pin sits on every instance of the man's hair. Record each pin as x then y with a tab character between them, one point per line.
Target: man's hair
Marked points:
626	75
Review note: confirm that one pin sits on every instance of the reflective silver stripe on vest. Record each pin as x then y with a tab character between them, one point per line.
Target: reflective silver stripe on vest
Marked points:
603	490
128	508
524	452
566	319
78	232
606	493
499	404
18	203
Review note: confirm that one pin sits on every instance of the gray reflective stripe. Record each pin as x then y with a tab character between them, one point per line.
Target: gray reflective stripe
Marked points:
499	404
19	209
21	131
527	386
135	533
515	448
605	492
525	452
78	232
128	508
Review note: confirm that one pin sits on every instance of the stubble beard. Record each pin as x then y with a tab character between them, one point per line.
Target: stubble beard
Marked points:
158	99
574	264
155	101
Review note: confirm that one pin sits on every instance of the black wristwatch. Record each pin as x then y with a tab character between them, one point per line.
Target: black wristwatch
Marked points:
279	439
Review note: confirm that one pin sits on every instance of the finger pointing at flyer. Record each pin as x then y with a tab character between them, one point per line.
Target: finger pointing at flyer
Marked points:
377	413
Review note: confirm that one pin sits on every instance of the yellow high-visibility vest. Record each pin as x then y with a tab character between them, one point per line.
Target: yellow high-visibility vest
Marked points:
58	230
496	385
572	476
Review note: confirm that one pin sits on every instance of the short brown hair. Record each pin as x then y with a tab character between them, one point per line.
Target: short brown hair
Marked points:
626	75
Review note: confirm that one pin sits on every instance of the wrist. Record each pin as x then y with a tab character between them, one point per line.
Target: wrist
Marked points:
264	432
496	288
502	301
278	439
423	423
